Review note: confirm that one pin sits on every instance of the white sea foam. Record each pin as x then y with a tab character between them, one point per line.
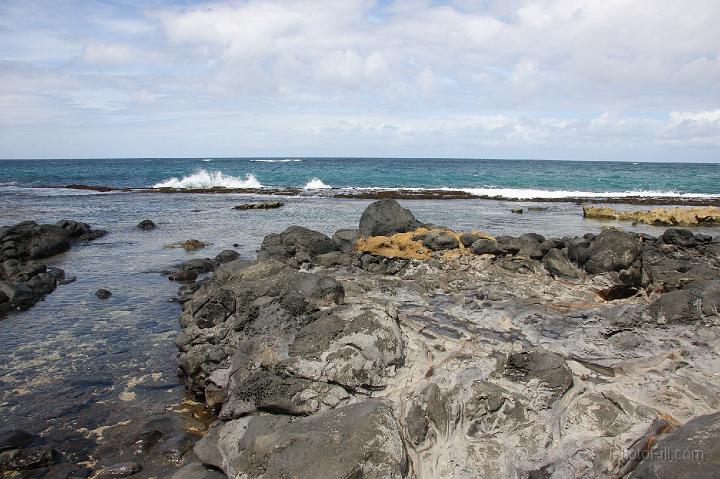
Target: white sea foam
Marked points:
529	193
206	160
210	179
316	184
286	160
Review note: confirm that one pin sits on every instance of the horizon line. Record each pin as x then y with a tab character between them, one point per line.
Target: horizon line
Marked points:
355	158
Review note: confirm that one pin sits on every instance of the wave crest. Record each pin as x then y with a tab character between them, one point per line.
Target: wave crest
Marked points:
213	179
316	184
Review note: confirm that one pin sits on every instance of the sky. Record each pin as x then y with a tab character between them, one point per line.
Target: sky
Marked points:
633	80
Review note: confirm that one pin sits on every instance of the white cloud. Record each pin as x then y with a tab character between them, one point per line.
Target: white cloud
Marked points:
509	74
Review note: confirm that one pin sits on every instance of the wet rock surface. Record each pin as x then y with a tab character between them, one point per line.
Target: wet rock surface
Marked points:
24	277
420	356
267	205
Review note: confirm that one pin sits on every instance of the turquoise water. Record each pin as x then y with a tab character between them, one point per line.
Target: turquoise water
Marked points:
509	178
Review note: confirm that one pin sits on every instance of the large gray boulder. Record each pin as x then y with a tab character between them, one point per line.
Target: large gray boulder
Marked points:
690	452
486	246
612	250
525	245
296	242
262	303
361	440
668	272
385	218
679	237
698	300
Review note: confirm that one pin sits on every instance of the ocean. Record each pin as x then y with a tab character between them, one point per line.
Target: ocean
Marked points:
73	363
522	179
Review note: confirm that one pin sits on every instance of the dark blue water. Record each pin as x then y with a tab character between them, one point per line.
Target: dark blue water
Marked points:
509	178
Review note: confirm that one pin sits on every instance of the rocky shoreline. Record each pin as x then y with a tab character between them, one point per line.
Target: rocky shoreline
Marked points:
24	278
409	350
401	194
401	349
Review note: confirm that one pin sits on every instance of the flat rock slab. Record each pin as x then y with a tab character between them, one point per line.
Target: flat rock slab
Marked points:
354	441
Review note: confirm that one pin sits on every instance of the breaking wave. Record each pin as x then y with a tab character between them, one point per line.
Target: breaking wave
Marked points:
210	179
316	184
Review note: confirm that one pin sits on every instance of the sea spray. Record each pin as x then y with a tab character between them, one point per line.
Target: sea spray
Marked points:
213	179
316	184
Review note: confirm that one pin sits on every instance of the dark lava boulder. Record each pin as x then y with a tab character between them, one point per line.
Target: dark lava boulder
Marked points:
16	439
679	237
385	218
558	264
525	245
361	440
183	276
345	239
24	279
467	239
612	250
437	240
296	242
697	301
80	231
28	240
226	255
262	301
199	265
670	271
690	452
486	246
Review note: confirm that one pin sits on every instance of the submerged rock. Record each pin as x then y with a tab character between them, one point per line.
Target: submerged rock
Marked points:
188	245
266	205
146	225
103	293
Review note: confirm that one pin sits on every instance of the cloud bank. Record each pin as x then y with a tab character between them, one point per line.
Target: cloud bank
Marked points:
574	79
